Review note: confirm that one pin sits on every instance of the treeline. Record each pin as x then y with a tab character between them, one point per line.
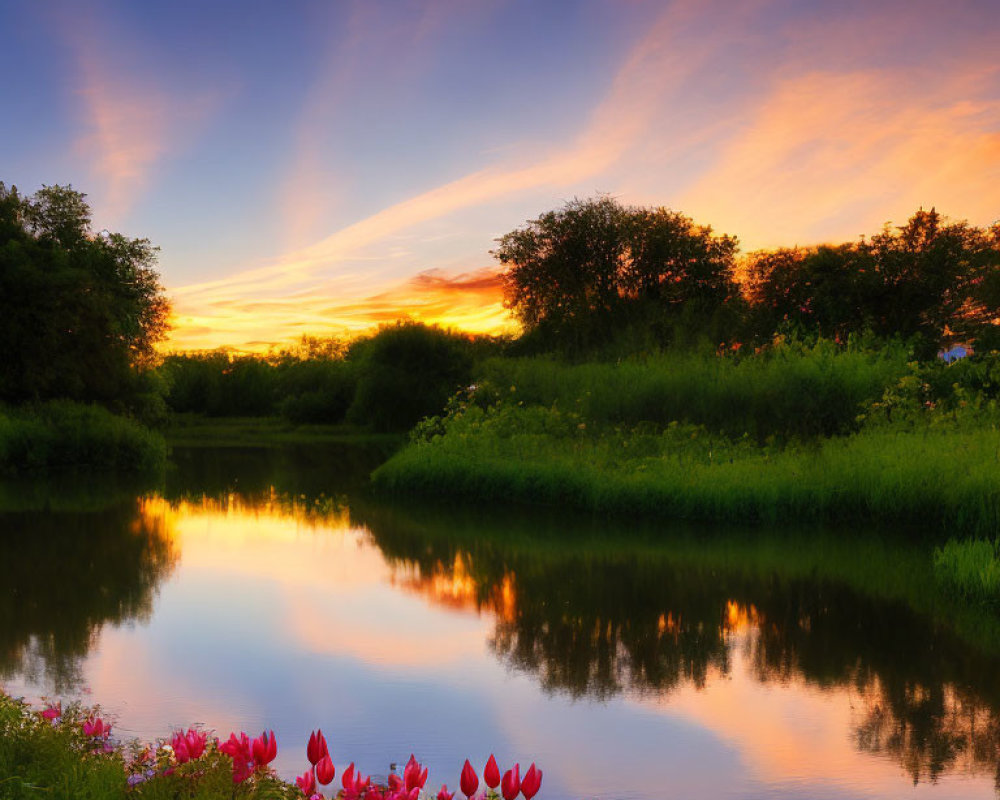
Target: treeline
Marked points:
81	313
384	382
599	276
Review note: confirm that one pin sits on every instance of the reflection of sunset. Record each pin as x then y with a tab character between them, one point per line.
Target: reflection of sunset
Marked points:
455	588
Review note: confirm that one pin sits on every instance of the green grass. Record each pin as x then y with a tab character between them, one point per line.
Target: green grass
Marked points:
788	391
61	434
970	569
943	479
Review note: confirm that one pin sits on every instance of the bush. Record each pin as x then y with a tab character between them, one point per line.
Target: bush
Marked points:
61	433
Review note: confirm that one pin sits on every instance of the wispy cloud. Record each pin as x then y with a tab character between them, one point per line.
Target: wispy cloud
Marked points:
130	121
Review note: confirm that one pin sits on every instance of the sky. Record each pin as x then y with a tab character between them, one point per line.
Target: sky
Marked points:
324	167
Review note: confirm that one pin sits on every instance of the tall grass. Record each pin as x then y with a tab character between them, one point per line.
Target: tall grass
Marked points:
938	478
787	391
970	569
61	434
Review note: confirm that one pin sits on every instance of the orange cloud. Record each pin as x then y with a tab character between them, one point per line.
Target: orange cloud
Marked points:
469	301
829	156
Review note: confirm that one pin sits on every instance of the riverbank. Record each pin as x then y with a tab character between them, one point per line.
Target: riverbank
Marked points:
807	435
60	435
196	430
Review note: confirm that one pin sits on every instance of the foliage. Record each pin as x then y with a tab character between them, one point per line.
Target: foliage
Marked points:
79	312
970	569
928	278
405	372
386	381
60	434
574	275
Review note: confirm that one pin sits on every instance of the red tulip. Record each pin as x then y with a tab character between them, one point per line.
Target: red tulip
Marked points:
306	782
412	775
238	749
347	779
316	748
531	782
180	747
325	770
241	770
469	781
265	748
195	741
444	794
511	783
491	774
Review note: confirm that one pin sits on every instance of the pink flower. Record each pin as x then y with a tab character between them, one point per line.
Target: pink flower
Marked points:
96	727
238	749
444	794
195	741
52	712
180	747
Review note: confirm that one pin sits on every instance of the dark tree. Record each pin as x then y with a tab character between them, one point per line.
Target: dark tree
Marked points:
80	312
580	274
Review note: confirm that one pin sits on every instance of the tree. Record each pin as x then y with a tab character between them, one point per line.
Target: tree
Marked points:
580	273
928	279
80	313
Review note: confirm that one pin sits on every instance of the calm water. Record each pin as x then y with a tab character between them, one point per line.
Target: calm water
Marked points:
261	588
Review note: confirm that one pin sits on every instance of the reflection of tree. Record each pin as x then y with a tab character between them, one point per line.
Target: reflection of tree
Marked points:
65	575
595	621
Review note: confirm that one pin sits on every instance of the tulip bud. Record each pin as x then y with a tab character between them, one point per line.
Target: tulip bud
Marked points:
469	781
531	782
491	774
511	783
325	770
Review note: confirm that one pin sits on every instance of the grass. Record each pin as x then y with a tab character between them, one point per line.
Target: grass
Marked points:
970	569
795	434
788	391
61	434
944	480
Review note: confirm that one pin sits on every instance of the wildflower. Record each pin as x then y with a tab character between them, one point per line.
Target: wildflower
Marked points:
96	728
52	712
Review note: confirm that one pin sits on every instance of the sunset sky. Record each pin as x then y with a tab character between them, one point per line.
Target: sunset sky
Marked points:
321	167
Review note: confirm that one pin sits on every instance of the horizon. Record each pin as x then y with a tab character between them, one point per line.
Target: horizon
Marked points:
323	171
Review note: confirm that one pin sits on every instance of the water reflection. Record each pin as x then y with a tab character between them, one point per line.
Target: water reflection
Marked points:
68	574
294	598
594	623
